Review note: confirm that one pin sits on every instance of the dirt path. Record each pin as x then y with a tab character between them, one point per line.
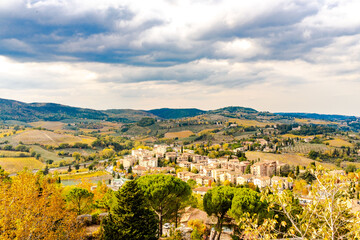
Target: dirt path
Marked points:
49	137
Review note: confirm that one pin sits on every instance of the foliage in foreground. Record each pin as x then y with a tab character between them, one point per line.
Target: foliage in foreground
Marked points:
327	214
164	194
32	207
130	218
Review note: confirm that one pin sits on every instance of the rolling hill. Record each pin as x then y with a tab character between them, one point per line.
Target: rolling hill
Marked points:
173	113
127	115
32	112
29	112
327	117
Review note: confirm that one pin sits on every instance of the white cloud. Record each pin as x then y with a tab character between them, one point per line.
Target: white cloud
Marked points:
273	55
207	84
239	49
335	14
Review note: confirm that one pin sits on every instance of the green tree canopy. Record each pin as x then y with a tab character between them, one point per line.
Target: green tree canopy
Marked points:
130	218
246	200
144	122
162	191
79	200
218	201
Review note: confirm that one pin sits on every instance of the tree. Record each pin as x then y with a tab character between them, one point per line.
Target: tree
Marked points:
162	191
198	229
121	166
327	215
3	175
79	200
248	169
32	207
300	187
314	155
46	170
77	166
350	168
297	172
106	201
69	169
144	122
107	153
307	176
76	155
226	183
194	170
217	201
285	170
246	200
191	182
130	218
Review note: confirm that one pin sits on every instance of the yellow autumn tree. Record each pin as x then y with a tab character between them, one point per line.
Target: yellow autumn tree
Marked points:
198	227
32	207
328	214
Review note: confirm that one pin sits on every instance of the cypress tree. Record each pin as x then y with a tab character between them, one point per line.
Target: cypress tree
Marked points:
130	218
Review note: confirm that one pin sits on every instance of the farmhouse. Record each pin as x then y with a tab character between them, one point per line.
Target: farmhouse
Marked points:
265	168
171	156
243	179
262	182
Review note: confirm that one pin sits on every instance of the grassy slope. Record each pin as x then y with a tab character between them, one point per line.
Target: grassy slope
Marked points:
249	123
4	153
46	138
182	134
48	154
83	175
49	125
12	165
337	142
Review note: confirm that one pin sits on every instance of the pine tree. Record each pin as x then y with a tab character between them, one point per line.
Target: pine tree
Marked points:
130	218
46	170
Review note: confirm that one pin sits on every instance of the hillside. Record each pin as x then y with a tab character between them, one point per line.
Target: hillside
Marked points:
33	112
127	115
327	117
173	113
15	110
232	110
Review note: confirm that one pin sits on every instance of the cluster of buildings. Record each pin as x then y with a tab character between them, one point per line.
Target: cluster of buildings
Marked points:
204	170
144	160
261	174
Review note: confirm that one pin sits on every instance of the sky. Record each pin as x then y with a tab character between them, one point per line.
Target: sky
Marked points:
274	55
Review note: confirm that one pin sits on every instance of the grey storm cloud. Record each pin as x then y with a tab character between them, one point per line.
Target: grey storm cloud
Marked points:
216	51
122	32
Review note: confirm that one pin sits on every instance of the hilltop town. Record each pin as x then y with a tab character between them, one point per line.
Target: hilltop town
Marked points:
185	164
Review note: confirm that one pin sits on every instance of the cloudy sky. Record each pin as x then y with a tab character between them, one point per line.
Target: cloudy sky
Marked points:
278	55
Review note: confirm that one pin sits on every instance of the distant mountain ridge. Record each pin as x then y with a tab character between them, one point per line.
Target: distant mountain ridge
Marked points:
327	117
173	113
233	109
30	112
15	110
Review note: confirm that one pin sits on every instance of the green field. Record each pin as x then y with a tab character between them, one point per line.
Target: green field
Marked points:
182	134
4	153
75	176
13	165
337	142
46	138
305	148
46	154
